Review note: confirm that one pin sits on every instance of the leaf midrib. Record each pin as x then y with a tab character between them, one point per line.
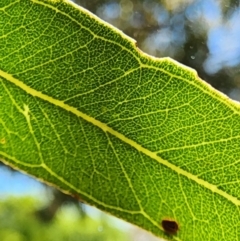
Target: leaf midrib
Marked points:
118	135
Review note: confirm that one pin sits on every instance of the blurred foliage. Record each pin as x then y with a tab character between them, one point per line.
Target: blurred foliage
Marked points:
19	223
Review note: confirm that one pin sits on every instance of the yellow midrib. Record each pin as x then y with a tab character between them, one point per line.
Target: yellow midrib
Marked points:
118	135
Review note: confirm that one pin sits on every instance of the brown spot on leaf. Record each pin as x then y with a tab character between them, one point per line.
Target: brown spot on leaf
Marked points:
170	226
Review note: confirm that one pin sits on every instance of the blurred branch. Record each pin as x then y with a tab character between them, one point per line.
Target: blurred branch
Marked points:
47	214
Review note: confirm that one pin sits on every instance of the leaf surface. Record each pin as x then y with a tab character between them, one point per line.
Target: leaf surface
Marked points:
83	109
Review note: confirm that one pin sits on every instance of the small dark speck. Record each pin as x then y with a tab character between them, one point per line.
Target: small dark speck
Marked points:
170	226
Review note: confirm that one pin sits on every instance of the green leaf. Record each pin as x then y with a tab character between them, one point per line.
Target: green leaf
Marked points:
83	109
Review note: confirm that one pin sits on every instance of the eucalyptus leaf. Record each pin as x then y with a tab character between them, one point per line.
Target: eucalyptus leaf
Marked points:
83	109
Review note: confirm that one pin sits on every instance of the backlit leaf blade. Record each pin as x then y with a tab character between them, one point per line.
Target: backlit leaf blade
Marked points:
141	138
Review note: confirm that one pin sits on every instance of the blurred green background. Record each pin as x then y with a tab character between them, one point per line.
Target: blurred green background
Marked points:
202	34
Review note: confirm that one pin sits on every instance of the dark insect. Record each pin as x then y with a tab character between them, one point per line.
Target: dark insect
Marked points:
170	226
